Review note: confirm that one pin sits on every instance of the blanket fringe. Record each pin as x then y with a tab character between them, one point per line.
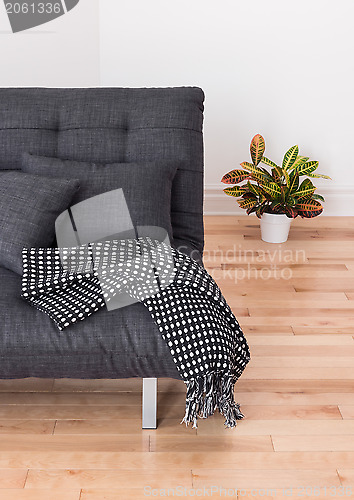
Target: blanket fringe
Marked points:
207	393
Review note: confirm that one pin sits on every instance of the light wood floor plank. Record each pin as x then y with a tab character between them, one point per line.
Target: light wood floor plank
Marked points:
300	251
306	373
228	285
314	492
290	412
206	444
347	478
278	427
296	362
115	494
258	493
279	305
309	321
301	312
336	285
175	460
294	266
117	478
26	426
299	386
298	350
323	442
266	478
40	494
347	411
267	330
289	297
300	330
35	442
283	272
294	398
335	340
12	478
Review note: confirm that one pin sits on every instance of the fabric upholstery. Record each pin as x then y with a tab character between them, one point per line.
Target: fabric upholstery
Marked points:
100	125
29	206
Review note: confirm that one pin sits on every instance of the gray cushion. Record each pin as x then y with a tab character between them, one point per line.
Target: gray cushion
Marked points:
147	187
29	205
109	344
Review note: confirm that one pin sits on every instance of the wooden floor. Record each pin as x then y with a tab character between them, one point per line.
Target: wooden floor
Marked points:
73	439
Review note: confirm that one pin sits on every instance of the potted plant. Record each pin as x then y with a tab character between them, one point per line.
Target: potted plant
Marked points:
276	196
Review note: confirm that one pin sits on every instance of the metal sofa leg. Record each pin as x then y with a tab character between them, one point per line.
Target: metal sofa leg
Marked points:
149	403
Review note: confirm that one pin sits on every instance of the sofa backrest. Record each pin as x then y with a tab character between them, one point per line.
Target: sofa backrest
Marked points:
107	125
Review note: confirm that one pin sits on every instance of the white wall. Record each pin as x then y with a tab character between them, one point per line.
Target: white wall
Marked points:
64	52
283	69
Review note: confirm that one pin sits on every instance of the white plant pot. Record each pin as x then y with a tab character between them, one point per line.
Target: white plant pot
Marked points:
275	228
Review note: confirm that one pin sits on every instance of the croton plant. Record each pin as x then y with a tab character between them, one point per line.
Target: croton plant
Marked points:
278	191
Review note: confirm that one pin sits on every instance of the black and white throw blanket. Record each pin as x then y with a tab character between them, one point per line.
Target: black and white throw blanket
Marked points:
204	337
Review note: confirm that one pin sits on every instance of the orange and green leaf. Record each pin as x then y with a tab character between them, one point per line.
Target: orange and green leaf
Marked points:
234	191
235	176
247	202
309	206
309	214
257	148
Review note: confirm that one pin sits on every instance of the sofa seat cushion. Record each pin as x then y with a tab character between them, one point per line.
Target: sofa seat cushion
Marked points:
121	343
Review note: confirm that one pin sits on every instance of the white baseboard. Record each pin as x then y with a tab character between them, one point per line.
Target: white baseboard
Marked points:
339	201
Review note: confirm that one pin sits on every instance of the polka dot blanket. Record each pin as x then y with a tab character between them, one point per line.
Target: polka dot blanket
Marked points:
194	319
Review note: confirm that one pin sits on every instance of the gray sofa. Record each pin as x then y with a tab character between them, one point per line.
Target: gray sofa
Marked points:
102	125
